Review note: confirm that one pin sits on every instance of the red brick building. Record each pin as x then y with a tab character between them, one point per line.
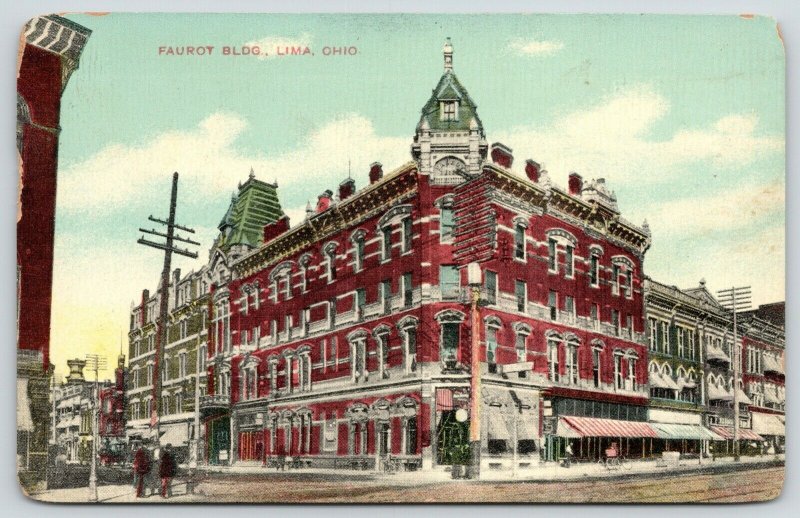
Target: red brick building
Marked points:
346	338
51	49
112	406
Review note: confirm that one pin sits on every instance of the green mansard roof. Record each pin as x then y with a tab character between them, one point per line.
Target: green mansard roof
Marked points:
255	205
450	89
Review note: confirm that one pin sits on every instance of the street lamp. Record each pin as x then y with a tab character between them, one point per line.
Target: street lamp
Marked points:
474	281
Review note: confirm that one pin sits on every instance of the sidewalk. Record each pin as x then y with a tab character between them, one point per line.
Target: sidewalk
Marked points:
547	472
116	494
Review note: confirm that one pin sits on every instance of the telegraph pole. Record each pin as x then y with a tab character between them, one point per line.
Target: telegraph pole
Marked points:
96	362
169	248
735	300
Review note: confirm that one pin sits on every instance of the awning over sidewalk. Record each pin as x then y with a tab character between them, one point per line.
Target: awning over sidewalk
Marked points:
768	424
719	394
684	431
24	420
563	429
596	427
744	433
176	435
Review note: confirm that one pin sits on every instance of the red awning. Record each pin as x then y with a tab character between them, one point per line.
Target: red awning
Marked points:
596	427
444	399
744	433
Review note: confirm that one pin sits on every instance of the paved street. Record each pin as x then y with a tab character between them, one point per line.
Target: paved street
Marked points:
720	483
754	485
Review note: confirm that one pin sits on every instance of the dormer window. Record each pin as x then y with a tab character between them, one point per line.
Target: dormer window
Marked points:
449	111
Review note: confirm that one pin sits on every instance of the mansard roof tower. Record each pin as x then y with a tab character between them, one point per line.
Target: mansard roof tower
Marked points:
449	144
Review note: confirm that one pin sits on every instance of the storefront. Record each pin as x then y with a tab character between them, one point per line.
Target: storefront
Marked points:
679	431
511	427
772	427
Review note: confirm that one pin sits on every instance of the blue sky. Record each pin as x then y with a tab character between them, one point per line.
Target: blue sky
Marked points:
684	117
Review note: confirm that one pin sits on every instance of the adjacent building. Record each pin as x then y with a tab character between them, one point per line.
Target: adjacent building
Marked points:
51	49
190	299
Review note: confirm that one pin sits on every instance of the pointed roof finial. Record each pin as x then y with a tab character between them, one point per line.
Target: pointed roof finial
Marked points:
703	282
448	55
252	173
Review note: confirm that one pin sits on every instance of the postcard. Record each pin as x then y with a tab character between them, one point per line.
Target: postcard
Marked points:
406	258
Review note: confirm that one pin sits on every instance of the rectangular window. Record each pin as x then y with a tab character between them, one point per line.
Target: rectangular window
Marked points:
629	283
665	337
572	365
361	302
519	242
632	374
629	324
449	281
491	348
681	346
386	245
595	315
408	290
359	253
491	286
522	353
450	339
552	256
449	110
386	295
407	235
594	270
552	303
552	360
569	306
446	224
521	294
615	321
596	367
569	261
615	279
618	380
653	327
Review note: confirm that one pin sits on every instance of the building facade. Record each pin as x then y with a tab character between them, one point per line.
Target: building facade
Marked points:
184	363
346	339
51	49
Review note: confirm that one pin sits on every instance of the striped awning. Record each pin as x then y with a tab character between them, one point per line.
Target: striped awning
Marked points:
444	399
563	429
596	427
744	433
684	431
766	424
771	364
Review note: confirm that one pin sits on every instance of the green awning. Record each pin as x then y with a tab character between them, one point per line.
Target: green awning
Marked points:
684	431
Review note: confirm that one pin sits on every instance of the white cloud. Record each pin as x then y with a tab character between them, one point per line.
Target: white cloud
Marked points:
210	163
728	210
269	45
531	47
612	140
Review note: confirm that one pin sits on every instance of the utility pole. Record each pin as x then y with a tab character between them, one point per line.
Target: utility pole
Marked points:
162	326
96	362
735	300
474	281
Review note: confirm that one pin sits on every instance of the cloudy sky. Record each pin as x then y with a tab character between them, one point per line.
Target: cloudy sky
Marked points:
683	116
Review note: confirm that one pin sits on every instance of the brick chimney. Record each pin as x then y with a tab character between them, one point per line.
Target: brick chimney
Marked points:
502	155
375	172
532	170
346	189
324	201
575	184
276	228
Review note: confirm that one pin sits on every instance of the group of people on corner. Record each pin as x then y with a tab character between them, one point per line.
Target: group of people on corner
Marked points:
149	469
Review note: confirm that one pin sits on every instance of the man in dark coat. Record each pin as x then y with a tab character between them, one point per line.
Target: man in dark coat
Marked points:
141	467
167	470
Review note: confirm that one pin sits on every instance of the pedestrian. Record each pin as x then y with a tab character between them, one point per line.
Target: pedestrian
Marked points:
153	479
141	467
166	470
568	455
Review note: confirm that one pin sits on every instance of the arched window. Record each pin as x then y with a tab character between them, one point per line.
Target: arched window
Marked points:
358	239
522	332
329	252
407	327
381	334
358	355
450	336
520	250
554	341
597	350
571	357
